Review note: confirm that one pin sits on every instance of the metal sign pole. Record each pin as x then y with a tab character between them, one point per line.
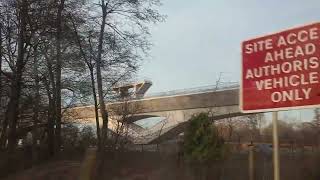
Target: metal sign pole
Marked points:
276	161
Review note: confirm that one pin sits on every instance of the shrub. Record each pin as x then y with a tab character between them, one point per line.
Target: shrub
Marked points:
87	137
202	143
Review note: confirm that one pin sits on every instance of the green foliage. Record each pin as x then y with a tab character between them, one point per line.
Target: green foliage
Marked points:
202	143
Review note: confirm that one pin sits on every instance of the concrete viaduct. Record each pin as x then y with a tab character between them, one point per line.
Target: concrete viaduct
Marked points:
174	110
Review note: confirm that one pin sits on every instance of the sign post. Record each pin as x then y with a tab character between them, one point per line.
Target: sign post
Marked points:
281	71
276	159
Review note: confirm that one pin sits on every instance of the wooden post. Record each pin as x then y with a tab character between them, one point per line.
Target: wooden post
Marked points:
276	161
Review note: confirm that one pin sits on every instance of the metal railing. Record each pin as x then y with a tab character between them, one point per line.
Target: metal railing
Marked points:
202	89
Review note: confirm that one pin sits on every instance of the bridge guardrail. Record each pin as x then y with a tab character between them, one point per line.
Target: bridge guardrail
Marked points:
202	89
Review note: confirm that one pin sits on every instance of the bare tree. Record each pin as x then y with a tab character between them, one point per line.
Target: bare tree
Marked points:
163	122
55	55
254	121
89	60
137	14
58	73
22	8
123	115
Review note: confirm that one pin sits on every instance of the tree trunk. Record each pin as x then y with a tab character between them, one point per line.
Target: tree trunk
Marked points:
58	76
12	111
51	107
50	128
230	132
3	135
1	83
103	110
3	121
36	106
94	92
95	107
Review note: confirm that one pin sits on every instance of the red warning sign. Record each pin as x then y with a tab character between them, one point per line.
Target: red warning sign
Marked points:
281	71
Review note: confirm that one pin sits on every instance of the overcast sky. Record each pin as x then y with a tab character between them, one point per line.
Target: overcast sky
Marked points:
202	38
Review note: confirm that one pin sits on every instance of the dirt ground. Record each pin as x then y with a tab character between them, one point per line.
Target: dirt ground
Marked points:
61	170
155	166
